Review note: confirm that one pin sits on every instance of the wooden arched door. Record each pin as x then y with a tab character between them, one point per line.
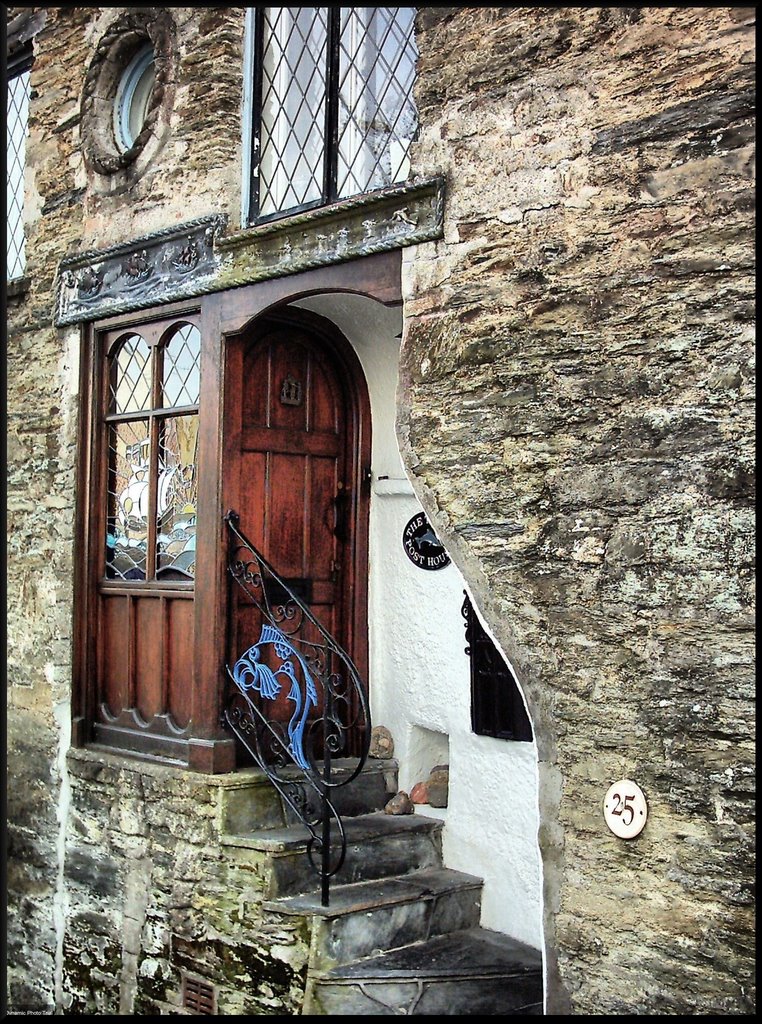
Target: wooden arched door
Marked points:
298	464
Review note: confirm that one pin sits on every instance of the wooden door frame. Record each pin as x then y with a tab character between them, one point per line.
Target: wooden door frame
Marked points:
225	316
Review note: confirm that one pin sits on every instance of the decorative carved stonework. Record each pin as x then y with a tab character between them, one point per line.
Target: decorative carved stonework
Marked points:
115	49
188	257
137	268
86	283
197	258
169	265
396	217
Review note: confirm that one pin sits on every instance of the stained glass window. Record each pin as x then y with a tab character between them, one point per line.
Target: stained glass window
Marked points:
176	497
154	391
128	492
333	114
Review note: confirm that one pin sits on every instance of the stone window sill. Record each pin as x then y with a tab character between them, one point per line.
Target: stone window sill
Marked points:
17	287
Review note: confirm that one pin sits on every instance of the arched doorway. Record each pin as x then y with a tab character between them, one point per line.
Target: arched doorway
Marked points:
296	470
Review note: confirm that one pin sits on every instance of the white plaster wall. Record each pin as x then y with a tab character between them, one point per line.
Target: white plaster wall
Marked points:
419	672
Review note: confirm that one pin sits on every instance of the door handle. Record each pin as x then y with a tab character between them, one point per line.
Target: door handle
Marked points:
340	507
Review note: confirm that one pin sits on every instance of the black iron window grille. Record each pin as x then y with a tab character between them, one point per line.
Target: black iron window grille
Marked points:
17	127
497	707
332	112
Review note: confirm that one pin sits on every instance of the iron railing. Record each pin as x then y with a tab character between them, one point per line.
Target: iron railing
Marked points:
296	700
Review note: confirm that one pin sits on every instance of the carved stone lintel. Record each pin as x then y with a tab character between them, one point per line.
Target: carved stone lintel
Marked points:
397	217
196	258
147	271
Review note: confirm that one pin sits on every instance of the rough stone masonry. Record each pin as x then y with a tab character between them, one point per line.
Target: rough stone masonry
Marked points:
576	409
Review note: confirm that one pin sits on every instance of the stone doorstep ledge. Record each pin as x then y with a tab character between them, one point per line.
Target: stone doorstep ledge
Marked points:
106	757
198	258
350	898
376	826
242	794
241	778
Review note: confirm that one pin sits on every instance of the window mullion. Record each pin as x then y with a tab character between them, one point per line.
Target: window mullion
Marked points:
331	154
256	113
156	425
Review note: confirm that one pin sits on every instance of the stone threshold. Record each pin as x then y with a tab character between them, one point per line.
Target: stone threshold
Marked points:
358	897
294	838
468	955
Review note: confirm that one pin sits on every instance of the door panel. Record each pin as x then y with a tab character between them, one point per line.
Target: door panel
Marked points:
297	476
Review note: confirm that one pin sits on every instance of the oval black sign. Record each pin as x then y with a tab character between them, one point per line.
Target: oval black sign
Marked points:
422	546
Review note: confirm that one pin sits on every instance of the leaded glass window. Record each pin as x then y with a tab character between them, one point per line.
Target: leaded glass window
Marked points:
16	134
152	427
332	107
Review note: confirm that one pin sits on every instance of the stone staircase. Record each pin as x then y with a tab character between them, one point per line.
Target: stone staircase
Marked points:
401	934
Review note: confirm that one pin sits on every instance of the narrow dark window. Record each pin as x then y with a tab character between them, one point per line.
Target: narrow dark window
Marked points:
497	707
332	111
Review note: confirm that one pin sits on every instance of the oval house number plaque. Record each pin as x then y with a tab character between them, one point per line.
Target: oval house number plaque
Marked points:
422	546
625	809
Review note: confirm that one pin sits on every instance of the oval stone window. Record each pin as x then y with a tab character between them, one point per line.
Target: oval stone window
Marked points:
128	95
133	96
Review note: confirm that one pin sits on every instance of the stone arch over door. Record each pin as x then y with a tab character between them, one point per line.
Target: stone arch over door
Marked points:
419	669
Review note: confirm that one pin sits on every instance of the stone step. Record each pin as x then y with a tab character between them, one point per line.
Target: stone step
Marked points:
370	791
378	846
381	914
251	801
469	972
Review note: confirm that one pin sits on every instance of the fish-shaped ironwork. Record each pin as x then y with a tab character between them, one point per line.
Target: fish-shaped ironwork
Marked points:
251	673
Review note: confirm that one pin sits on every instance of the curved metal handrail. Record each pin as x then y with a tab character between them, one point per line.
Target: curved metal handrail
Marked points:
295	650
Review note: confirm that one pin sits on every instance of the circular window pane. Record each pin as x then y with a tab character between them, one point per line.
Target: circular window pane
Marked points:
133	97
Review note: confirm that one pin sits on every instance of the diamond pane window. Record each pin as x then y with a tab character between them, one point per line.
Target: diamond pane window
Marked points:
17	127
131	376
333	114
182	353
293	107
377	118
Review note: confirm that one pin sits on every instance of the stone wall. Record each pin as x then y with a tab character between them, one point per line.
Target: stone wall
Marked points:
69	209
153	894
576	408
576	412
